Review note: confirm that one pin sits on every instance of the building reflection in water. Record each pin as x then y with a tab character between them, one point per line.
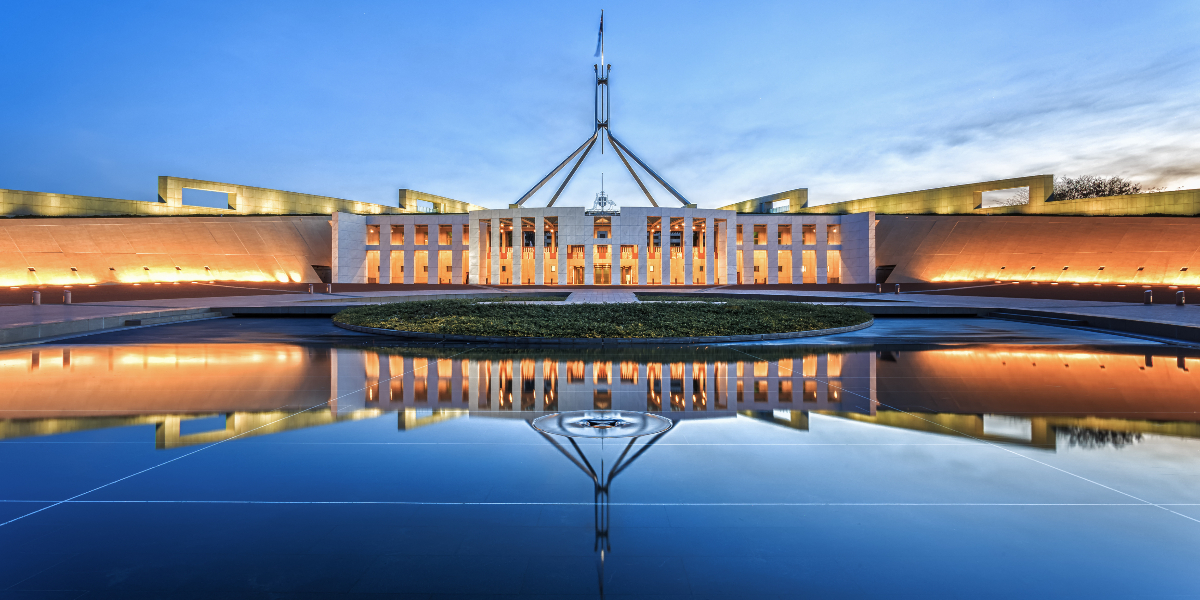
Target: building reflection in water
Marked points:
202	393
676	383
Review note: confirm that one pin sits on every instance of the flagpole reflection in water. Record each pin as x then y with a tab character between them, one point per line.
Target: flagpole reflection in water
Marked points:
603	424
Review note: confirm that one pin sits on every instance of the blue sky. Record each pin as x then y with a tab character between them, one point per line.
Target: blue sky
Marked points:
477	101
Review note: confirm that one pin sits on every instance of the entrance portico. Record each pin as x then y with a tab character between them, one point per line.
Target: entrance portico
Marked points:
627	247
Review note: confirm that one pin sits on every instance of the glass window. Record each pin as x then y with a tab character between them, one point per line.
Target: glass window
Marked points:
785	235
760	235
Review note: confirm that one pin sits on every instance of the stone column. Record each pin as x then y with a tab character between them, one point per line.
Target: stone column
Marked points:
822	249
773	253
518	250
730	249
561	250
688	276
410	258
748	274
664	265
456	248
588	258
475	258
643	246
385	252
797	248
495	277
539	258
710	258
434	268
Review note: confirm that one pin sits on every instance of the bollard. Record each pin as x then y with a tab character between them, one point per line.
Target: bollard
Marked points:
37	298
1179	301
66	296
310	288
879	288
329	288
1148	297
897	288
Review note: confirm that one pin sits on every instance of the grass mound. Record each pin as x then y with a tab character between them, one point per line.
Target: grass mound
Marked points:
650	320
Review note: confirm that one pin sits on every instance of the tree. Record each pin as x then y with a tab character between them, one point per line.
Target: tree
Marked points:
1091	186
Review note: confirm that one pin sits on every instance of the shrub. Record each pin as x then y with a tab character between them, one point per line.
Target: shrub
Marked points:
626	320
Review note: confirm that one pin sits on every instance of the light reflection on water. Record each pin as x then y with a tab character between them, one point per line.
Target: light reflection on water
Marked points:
827	472
1019	395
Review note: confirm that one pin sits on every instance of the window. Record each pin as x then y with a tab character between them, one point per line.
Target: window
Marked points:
445	235
397	235
760	235
809	234
784	235
422	235
372	235
466	234
834	234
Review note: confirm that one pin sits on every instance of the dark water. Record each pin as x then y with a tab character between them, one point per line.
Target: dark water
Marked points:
286	459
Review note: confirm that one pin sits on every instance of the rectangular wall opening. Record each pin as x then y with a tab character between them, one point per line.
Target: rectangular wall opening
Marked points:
809	234
372	266
1008	197
833	268
209	199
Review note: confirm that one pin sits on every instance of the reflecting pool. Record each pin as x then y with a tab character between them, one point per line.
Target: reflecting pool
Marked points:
905	461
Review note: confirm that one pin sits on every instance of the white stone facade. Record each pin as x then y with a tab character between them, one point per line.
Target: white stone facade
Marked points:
565	246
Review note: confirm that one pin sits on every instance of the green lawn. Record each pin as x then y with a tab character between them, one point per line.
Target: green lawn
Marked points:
649	320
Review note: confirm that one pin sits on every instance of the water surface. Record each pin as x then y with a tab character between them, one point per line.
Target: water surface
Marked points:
281	458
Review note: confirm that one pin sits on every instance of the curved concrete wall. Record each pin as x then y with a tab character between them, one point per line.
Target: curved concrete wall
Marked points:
136	250
1141	250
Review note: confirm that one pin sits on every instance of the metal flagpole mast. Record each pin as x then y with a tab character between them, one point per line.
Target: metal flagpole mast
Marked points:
600	102
601	98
